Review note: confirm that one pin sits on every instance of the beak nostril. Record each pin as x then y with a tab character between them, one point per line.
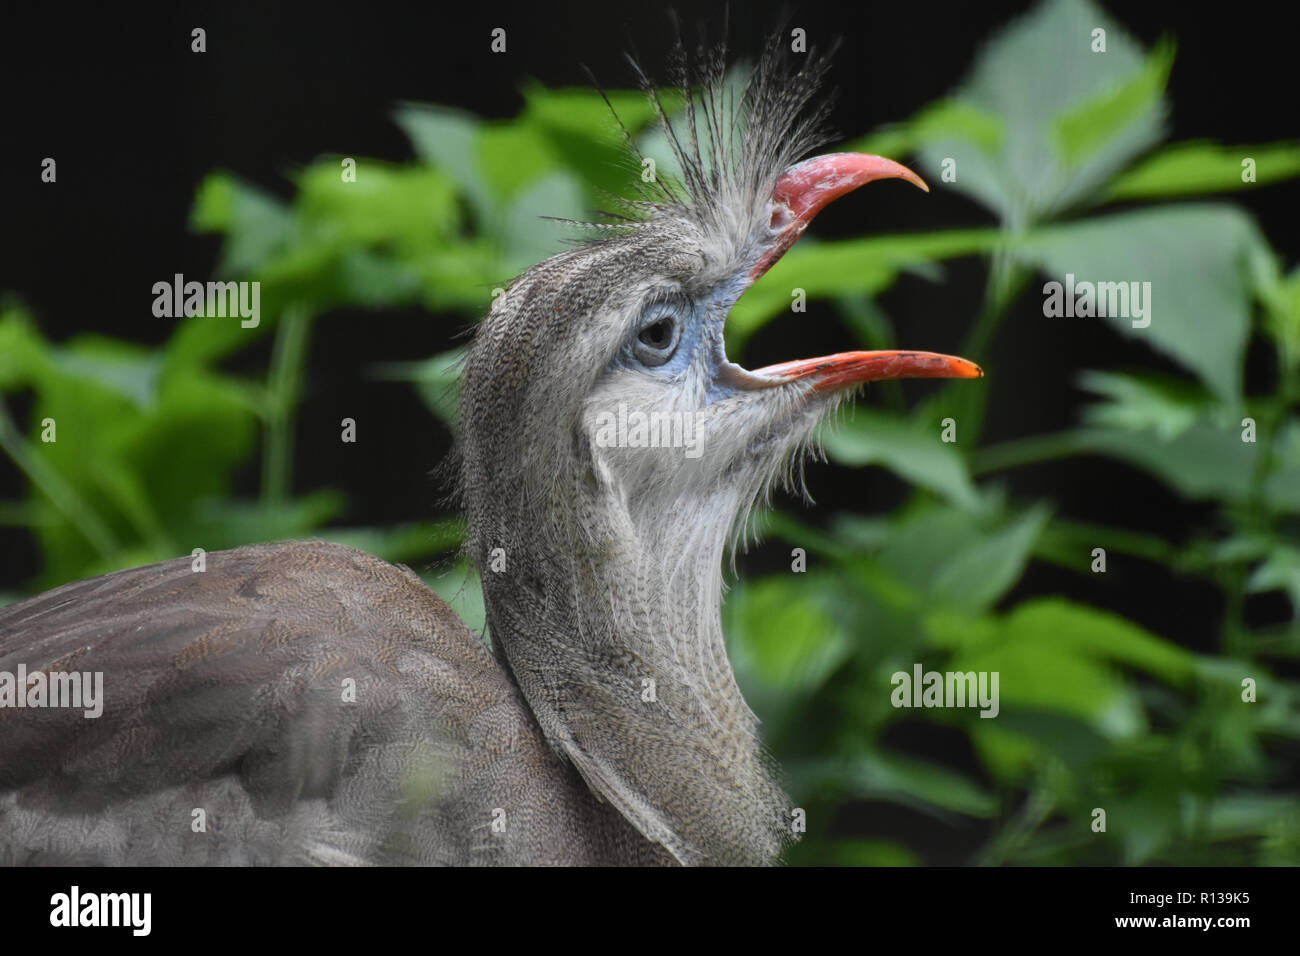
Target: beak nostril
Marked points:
805	188
781	217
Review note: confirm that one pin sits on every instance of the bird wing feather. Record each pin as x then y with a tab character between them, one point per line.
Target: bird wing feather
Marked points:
226	691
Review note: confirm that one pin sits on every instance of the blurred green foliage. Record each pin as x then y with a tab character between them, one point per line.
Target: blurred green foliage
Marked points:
1096	712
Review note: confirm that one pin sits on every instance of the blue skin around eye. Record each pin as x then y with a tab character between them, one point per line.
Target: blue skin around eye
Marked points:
704	319
681	357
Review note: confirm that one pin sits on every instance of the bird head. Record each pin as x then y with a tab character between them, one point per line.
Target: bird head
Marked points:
610	451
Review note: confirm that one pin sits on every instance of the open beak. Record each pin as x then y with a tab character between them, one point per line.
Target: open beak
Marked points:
846	369
803	191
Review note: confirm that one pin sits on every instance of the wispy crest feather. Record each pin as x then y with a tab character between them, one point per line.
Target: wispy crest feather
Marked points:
728	150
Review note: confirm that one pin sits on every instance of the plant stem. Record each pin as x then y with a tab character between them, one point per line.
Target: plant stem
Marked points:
1030	451
1005	282
1257	515
284	387
1038	806
1148	547
61	494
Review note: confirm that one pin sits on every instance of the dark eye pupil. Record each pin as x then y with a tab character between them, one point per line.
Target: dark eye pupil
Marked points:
658	335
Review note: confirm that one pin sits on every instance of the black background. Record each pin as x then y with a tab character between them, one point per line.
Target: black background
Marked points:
135	120
385	909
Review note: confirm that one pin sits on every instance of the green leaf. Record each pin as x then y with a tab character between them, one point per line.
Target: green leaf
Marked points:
584	114
923	540
529	230
218	523
128	475
1080	629
364	278
1147	820
1191	169
404	542
458	585
786	633
1208	461
1281	571
124	367
1194	258
1096	105
919	456
513	156
448	138
1237	815
1149	402
24	354
1056	657
977	576
867	853
852	266
945	119
412	209
1281	298
1082	130
584	137
905	780
256	224
436	378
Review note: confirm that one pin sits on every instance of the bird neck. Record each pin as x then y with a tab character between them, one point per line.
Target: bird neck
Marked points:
612	628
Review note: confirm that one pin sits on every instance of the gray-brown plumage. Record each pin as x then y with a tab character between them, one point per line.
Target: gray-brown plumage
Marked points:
224	692
606	727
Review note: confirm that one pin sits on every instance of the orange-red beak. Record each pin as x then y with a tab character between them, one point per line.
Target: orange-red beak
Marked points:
846	369
806	188
803	191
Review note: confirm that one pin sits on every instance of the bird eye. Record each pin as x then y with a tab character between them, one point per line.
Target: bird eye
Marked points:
658	335
657	339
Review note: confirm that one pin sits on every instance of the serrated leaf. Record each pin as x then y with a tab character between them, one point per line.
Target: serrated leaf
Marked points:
1194	258
1087	127
1027	178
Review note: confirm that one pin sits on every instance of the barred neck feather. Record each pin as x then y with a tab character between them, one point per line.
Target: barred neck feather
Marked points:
602	571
